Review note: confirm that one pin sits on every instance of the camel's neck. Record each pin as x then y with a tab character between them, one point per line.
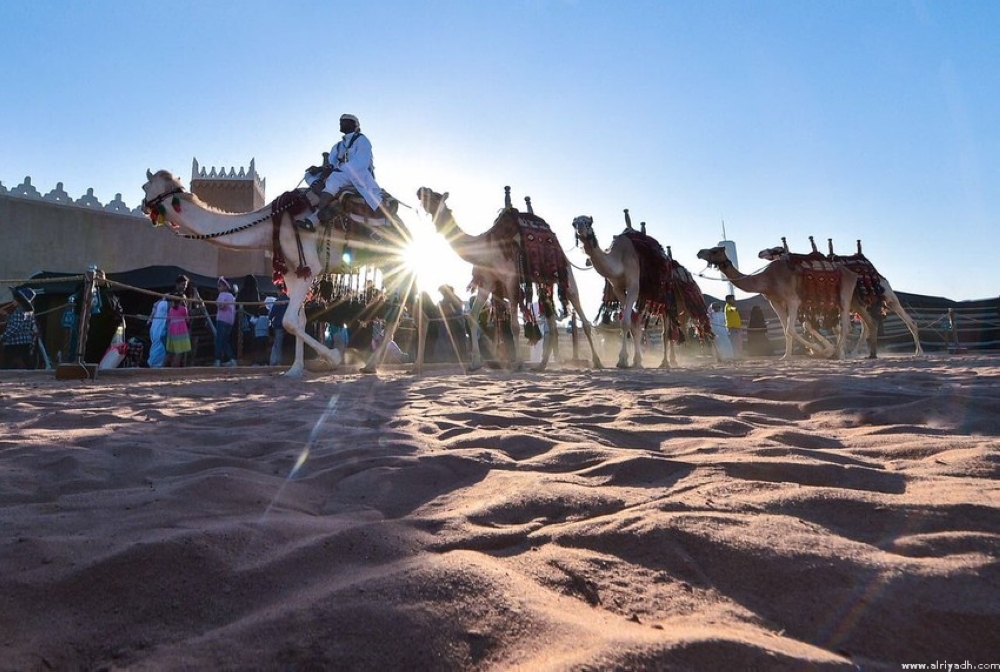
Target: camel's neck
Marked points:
472	249
752	284
604	263
240	230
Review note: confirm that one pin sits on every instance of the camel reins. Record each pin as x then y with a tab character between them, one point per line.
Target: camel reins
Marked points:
156	202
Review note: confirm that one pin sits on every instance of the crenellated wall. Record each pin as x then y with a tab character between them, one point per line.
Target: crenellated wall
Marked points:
56	232
58	195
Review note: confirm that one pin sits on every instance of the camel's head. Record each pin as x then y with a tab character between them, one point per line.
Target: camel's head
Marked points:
714	256
432	202
771	253
159	188
584	228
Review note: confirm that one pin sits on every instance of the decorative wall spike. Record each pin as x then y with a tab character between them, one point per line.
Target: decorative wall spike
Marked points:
25	190
117	205
88	200
58	195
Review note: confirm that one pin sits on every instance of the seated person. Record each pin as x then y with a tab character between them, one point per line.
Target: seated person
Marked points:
349	163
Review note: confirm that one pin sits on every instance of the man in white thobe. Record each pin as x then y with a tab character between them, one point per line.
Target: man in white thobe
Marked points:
350	164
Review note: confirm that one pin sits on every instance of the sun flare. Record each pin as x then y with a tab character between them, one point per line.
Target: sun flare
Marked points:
434	263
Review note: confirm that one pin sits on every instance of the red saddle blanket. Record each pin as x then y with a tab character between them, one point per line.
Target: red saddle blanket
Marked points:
819	290
528	239
869	290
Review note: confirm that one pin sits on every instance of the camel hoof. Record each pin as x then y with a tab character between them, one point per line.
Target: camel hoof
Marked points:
368	369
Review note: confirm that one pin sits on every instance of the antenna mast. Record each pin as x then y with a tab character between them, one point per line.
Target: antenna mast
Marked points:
732	290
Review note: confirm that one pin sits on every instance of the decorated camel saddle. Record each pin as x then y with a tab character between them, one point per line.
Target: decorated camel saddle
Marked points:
869	290
348	217
820	282
527	239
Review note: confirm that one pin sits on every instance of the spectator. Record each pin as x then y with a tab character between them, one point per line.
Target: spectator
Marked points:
178	332
734	325
246	314
723	346
275	317
261	333
158	333
758	343
225	317
22	331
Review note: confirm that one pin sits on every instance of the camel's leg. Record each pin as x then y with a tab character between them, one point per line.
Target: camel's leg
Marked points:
633	322
892	301
626	301
476	361
848	282
421	323
869	333
294	323
574	298
822	347
550	341
791	316
669	346
378	355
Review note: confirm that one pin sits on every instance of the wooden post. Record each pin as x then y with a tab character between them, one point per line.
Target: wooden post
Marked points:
79	369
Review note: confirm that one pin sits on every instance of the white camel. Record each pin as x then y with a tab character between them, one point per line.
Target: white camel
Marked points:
494	267
190	217
885	299
783	287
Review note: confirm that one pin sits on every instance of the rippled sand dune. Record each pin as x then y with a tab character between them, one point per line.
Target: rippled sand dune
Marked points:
766	516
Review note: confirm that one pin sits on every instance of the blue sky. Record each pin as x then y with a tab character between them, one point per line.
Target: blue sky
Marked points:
872	119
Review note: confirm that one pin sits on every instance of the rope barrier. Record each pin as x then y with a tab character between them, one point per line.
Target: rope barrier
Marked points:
44	281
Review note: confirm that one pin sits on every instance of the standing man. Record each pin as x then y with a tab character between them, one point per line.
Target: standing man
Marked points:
349	163
734	325
21	332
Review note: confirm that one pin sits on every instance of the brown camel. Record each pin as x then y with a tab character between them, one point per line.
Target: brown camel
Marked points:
786	290
873	296
636	279
496	269
190	217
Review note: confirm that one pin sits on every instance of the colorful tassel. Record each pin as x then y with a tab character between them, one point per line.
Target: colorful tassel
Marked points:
175	202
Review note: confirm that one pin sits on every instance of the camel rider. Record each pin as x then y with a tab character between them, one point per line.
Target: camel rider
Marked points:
349	163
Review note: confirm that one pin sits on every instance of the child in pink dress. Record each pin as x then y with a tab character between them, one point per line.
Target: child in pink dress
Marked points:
178	335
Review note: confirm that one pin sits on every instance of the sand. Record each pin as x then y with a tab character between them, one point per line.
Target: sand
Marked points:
802	515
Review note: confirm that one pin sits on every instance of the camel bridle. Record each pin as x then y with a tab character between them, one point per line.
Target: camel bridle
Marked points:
148	205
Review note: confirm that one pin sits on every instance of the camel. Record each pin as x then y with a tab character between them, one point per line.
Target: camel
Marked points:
785	289
873	296
190	217
495	258
622	266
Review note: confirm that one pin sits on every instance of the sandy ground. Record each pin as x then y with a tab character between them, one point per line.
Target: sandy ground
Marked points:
802	515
